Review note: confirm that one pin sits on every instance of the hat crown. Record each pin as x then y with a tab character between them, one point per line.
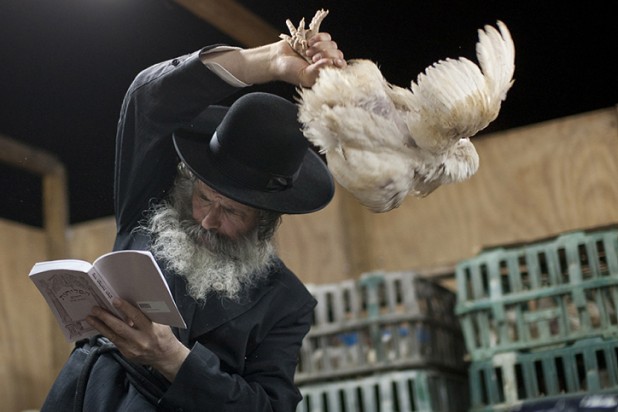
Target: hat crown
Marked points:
255	153
255	132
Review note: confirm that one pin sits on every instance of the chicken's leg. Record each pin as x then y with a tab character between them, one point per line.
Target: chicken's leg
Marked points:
299	36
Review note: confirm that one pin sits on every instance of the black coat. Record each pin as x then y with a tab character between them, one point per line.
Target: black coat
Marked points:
243	355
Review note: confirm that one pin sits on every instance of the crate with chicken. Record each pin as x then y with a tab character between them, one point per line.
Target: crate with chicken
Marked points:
382	321
526	380
541	295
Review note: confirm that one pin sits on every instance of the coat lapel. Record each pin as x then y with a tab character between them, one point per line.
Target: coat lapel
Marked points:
205	316
217	310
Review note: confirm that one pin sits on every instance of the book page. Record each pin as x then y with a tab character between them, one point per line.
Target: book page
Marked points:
135	276
71	295
65	264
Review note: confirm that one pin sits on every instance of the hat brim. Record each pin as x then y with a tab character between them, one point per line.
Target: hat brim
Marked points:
312	190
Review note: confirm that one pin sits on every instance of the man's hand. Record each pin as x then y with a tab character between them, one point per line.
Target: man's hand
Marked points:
315	47
279	61
139	339
294	69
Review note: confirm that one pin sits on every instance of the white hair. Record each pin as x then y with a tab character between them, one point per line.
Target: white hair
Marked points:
227	266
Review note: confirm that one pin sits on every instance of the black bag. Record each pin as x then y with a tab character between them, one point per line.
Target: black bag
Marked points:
97	377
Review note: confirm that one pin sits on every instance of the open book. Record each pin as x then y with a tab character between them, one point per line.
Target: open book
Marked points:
73	287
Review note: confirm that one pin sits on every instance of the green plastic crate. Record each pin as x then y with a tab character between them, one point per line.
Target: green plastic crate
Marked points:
590	402
383	321
511	379
538	295
399	391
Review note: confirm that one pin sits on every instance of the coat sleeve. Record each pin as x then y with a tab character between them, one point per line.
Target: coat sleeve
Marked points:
161	99
266	384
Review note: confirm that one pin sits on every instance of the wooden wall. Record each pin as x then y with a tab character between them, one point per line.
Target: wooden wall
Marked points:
533	182
25	324
28	331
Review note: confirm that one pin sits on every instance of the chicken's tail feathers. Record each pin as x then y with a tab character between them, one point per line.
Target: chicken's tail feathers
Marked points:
495	51
456	98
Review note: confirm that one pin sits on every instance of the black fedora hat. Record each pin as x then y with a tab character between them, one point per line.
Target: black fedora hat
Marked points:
254	152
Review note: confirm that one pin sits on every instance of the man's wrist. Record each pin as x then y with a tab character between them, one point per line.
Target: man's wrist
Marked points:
241	67
170	366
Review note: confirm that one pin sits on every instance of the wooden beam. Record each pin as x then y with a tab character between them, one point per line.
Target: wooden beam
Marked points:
234	20
55	192
24	157
55	214
56	221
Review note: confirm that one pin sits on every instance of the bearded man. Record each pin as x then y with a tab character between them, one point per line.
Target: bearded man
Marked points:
194	248
204	187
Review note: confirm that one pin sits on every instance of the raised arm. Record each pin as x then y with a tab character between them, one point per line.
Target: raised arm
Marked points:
168	95
279	62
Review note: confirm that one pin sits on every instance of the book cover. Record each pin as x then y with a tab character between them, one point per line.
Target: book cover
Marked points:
73	287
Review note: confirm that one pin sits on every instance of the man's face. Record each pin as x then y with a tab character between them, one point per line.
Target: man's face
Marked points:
210	240
224	216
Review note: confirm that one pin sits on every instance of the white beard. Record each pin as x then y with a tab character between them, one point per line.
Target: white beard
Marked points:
225	267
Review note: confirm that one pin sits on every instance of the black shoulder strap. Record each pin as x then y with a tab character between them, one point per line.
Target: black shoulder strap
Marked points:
150	385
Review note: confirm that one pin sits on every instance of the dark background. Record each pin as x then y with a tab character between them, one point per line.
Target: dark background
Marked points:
66	65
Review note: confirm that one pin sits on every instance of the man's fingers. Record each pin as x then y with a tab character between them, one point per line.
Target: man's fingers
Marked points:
325	52
115	328
318	37
135	318
326	48
96	322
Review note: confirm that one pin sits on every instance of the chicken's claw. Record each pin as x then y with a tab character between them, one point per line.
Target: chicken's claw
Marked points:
300	35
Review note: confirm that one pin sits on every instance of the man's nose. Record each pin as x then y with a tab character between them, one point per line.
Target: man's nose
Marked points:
212	219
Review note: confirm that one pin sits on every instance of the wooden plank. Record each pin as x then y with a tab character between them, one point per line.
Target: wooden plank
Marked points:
356	228
24	157
55	221
89	240
234	20
26	359
311	245
533	182
56	212
28	366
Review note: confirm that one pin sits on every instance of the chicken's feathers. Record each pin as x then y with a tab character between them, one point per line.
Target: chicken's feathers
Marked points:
383	142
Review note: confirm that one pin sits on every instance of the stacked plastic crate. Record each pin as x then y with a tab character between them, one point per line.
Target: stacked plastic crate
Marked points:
540	321
386	342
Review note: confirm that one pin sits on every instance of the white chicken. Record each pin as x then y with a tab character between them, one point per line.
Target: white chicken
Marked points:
383	142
